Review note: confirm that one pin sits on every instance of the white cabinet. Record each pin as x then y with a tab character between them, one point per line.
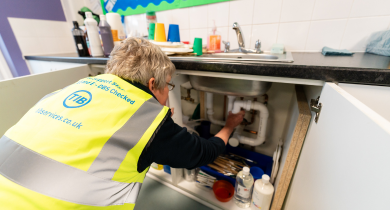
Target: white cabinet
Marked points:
343	162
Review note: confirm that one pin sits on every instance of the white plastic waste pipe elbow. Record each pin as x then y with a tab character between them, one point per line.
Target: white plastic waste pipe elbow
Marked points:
248	105
210	111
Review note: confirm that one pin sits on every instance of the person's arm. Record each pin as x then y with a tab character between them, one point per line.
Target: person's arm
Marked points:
176	147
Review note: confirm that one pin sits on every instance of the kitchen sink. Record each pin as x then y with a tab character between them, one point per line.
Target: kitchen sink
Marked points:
234	87
251	57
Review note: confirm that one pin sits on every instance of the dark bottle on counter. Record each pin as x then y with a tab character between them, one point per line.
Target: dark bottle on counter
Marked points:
81	45
106	36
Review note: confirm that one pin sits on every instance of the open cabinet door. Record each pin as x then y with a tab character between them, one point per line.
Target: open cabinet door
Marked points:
344	160
18	95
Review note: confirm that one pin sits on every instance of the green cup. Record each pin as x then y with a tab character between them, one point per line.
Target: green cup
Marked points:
198	46
152	27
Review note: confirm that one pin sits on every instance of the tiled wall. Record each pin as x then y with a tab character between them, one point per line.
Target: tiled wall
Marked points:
38	37
301	25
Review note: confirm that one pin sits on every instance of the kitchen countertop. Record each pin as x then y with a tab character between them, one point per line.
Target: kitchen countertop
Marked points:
362	68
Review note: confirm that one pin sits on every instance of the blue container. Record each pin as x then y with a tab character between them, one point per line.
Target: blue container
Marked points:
256	172
264	162
167	169
173	33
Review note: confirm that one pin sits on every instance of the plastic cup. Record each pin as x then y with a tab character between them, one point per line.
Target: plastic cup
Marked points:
223	190
159	33
173	33
152	27
198	46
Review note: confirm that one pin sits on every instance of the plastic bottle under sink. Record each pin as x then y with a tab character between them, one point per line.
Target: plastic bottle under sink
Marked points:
243	189
262	194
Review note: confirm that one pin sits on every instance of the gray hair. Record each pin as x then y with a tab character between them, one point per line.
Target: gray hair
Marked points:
138	60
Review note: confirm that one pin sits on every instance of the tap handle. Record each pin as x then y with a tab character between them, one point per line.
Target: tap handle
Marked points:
227	46
258	44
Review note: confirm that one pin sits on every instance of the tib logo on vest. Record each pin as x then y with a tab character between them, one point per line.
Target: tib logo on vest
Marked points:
78	99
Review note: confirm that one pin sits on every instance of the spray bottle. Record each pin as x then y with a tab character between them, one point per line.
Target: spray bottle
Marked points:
93	35
106	35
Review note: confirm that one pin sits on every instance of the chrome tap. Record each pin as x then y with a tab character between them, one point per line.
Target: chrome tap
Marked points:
241	44
240	37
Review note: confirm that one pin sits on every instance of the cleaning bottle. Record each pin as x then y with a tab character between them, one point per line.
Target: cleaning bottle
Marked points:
214	40
106	35
262	194
93	35
243	189
81	44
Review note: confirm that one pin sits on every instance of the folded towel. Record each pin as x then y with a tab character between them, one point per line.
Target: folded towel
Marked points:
330	51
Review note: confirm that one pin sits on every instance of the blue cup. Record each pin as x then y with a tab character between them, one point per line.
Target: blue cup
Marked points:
173	33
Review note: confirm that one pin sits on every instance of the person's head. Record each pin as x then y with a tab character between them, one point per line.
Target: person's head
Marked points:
138	60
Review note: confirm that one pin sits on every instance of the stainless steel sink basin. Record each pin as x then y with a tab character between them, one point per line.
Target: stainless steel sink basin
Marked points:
252	57
235	87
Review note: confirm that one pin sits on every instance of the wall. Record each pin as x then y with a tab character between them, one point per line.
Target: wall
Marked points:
302	25
42	10
38	37
39	27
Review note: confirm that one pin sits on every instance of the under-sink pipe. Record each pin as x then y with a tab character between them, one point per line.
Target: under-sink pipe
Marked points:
248	105
230	104
210	110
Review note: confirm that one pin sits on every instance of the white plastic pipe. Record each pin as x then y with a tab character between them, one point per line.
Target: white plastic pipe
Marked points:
237	138
241	104
230	104
210	111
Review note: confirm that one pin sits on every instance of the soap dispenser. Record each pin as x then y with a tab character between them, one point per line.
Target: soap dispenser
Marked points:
214	40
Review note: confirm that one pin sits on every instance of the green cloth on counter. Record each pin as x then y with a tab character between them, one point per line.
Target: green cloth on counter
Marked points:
330	51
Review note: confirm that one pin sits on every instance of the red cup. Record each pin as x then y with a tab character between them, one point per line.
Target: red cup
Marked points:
223	190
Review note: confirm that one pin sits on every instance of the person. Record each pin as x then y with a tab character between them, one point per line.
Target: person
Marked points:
89	145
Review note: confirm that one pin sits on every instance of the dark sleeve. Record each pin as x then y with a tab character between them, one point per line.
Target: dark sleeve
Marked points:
174	146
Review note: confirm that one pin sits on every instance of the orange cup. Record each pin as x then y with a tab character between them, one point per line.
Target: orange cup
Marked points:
159	33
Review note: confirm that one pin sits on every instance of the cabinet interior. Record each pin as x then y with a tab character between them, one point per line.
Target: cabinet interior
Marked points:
284	114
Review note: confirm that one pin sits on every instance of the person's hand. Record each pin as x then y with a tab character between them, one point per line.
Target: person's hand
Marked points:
234	120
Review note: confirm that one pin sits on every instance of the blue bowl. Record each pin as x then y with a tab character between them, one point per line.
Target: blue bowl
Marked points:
256	172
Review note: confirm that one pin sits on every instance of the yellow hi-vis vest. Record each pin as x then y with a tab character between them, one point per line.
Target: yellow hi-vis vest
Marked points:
78	147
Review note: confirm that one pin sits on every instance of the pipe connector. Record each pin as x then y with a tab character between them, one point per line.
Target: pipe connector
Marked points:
234	141
241	104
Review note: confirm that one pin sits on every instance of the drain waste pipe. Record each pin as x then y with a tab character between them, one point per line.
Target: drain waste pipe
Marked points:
230	104
248	105
210	110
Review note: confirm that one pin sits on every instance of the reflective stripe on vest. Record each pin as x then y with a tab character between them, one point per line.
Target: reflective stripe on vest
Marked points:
95	165
116	148
43	175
